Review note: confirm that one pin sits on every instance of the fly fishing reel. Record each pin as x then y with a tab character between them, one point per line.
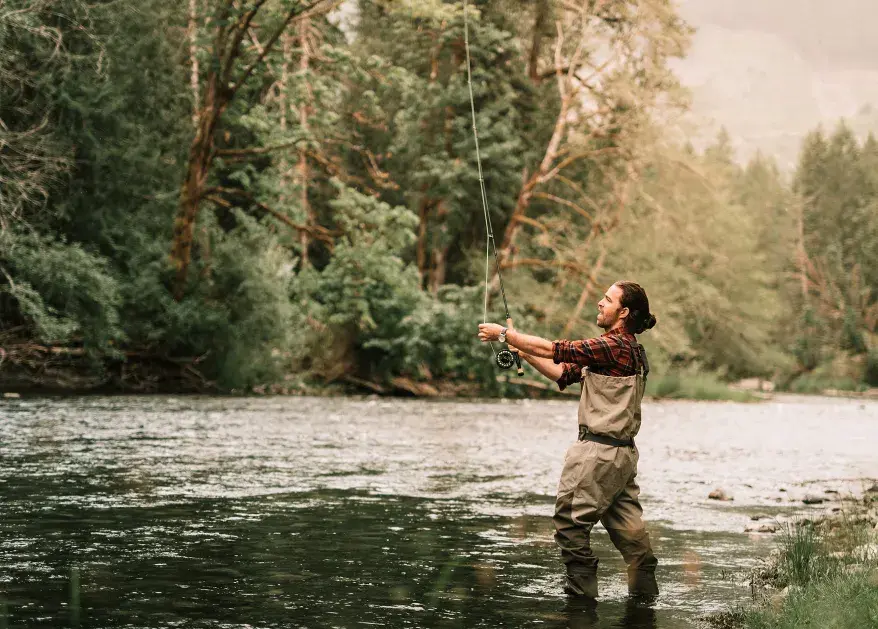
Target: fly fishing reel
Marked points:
505	359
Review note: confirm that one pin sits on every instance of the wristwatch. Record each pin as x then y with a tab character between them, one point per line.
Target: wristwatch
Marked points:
502	337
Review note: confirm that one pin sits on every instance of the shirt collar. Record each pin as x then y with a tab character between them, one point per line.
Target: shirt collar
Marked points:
617	333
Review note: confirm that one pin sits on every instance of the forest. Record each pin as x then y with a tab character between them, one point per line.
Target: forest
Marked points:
283	196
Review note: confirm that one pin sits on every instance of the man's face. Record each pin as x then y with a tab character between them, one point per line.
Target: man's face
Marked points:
610	310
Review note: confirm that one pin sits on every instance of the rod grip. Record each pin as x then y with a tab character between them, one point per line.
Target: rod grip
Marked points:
514	350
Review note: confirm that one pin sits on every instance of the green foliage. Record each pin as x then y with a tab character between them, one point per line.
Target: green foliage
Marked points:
830	585
340	230
692	239
837	187
808	347
63	293
693	384
818	383
251	279
801	560
871	373
367	292
443	340
838	602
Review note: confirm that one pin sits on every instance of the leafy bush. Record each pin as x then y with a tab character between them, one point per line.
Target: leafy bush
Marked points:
693	384
871	372
64	293
366	294
818	383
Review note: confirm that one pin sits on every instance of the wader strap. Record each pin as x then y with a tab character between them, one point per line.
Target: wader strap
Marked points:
641	363
585	435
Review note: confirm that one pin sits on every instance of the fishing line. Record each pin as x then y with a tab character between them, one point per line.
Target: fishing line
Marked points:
504	358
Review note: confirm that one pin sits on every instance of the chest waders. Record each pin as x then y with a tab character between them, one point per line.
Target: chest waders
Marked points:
597	483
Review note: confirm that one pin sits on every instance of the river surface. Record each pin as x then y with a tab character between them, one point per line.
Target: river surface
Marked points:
315	512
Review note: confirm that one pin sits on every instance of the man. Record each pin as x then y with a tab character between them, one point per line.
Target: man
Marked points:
597	481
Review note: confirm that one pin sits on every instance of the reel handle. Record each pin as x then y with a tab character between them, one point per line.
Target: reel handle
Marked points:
514	350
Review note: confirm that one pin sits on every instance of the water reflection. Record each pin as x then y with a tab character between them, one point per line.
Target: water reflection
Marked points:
584	614
211	512
308	560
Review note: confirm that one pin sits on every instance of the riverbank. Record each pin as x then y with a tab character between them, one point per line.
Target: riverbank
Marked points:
824	573
151	375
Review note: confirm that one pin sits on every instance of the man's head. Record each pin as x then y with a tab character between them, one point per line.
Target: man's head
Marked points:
625	307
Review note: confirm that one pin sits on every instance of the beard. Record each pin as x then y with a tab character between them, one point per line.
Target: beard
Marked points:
605	322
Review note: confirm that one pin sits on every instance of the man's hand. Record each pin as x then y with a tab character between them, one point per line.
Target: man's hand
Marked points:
489	332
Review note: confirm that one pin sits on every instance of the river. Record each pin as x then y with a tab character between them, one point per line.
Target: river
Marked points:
357	512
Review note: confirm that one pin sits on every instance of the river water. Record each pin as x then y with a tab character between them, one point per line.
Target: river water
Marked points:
315	512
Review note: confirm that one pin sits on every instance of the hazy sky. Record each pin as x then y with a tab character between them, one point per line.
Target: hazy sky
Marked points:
837	33
770	70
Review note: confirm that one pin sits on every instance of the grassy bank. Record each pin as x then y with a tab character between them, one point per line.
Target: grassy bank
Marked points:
823	575
694	385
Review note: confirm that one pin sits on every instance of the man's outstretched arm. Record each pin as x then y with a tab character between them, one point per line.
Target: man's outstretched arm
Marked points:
526	343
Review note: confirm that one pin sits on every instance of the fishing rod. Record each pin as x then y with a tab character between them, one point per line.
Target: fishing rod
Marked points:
505	357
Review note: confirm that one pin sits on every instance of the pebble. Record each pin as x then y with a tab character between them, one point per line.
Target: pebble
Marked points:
813	500
719	494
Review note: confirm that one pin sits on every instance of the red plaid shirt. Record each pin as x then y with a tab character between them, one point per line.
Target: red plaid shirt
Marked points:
610	354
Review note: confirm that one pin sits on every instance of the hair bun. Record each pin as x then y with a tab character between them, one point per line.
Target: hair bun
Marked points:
650	322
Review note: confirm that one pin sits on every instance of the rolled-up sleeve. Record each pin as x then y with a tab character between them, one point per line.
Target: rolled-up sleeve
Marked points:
571	374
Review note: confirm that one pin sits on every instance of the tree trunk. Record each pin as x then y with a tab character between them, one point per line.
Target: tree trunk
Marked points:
421	253
440	251
437	276
802	253
542	14
193	186
304	110
193	59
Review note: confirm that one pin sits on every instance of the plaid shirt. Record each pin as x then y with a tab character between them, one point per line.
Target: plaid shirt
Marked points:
610	354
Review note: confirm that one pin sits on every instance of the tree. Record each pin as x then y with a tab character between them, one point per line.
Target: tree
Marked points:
229	67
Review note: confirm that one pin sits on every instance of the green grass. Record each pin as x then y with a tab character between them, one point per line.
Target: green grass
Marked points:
694	385
839	601
802	559
817	383
827	591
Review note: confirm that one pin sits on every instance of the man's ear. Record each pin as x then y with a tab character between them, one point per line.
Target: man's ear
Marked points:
624	312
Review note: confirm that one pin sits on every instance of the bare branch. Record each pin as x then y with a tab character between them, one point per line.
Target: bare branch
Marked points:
295	14
564	202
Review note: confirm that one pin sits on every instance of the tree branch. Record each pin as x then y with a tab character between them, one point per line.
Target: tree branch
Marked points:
295	14
318	232
565	202
260	150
